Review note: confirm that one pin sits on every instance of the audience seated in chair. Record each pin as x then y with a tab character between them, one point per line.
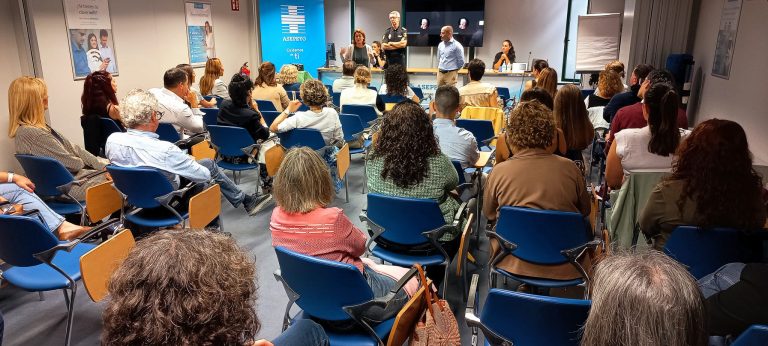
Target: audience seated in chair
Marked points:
534	178
211	82
265	87
194	98
455	142
303	222
27	102
189	287
536	68
396	83
289	78
632	116
240	109
644	299
477	93
318	117
503	151
608	85
547	80
572	119
712	184
347	79
98	101
140	146
170	99
629	97
651	147
735	298
19	192
360	94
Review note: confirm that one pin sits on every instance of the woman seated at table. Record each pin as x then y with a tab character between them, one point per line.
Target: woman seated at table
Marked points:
360	94
303	222
652	147
266	87
19	191
27	102
534	178
712	184
396	83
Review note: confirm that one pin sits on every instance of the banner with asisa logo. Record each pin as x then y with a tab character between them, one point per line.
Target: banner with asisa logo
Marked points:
293	32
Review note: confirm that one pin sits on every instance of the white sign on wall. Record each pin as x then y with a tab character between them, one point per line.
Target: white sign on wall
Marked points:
91	42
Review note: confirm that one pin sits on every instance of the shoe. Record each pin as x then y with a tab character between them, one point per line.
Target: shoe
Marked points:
254	203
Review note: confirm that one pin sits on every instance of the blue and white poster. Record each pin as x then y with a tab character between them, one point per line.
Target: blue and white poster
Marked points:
293	32
199	33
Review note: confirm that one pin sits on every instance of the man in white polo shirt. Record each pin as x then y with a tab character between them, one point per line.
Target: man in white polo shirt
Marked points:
170	100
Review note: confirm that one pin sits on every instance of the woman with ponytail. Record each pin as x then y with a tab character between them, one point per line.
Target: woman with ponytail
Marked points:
651	147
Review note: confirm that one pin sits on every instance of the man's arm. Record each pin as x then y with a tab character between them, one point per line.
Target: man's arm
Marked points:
189	121
178	162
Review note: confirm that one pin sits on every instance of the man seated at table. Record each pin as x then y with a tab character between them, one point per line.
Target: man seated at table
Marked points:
347	79
477	93
140	146
170	99
455	142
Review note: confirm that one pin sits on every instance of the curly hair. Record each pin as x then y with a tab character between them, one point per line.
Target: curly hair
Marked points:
406	164
615	66
396	79
715	165
182	287
213	70
609	84
98	93
531	125
289	74
313	93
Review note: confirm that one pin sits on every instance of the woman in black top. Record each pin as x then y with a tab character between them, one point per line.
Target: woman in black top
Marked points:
98	101
241	110
507	55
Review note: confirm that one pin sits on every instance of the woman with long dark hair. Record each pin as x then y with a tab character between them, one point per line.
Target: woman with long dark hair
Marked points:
396	83
712	184
572	118
98	101
652	147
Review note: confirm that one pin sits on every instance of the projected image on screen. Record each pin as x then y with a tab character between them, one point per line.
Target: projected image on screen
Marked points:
424	19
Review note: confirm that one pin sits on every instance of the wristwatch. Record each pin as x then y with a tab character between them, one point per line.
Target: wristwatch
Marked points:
10	177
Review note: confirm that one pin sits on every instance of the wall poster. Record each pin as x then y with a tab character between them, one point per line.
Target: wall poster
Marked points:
199	33
726	39
91	42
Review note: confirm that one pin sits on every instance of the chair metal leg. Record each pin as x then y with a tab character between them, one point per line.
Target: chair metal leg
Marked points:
346	188
70	315
66	298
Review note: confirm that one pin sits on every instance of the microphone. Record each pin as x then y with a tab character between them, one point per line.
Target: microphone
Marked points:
529	61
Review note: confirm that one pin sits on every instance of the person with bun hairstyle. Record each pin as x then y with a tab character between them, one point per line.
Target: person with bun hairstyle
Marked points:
240	110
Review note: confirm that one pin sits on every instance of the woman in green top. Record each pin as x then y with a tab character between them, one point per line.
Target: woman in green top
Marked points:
406	161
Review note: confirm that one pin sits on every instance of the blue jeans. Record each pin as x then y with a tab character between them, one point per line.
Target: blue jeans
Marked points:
16	195
302	332
381	285
721	279
231	192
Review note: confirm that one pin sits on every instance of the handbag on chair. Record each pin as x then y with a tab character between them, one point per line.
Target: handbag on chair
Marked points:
437	326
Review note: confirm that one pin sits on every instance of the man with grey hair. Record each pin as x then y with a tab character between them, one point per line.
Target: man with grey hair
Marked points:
450	57
140	146
395	40
455	142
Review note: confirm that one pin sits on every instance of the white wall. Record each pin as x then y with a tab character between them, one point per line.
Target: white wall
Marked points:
11	69
337	26
742	98
149	36
373	17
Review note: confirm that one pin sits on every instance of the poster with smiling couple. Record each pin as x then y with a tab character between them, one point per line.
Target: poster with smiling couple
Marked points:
91	42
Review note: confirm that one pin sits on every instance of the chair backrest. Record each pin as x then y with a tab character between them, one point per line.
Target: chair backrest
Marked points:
102	200
98	264
392	98
626	205
266	105
350	125
303	108
365	112
316	281
329	88
303	137
47	174
540	235
342	161
140	185
108	127
404	219
556	321
273	158
21	237
481	129
494	114
755	335
210	97
210	116
269	116
459	171
373	88
336	98
230	140
203	150
705	250
168	133
204	207
503	92
419	93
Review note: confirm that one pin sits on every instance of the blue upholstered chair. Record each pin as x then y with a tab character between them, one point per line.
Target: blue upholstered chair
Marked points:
336	98
525	319
210	116
366	113
755	335
302	137
168	133
705	250
265	105
544	237
481	129
503	94
419	93
313	285
270	116
233	141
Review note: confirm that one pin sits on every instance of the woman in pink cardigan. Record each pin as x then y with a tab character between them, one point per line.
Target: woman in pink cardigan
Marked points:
303	223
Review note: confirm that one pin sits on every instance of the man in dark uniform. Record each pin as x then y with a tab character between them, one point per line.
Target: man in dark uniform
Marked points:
395	40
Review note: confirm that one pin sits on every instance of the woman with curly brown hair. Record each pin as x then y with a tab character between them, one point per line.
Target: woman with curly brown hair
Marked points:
396	83
608	85
185	287
712	184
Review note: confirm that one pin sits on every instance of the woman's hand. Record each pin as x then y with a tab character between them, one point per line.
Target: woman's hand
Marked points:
23	182
293	106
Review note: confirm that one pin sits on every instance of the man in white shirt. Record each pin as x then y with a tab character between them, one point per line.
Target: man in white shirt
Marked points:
450	56
106	51
140	146
347	79
170	100
455	142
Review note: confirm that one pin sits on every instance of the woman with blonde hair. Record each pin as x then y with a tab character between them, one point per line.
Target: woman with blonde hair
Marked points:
289	78
548	81
210	82
573	119
360	94
608	84
265	87
358	51
27	102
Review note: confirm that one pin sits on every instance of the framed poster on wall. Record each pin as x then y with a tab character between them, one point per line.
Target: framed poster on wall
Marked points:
91	42
726	39
199	32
